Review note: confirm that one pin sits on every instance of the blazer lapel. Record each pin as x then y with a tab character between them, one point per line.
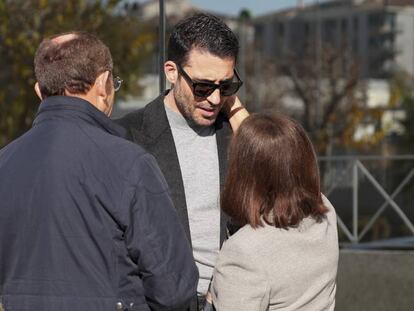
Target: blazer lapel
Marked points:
223	135
156	136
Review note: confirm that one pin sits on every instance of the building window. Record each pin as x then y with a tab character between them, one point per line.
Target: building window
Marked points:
281	30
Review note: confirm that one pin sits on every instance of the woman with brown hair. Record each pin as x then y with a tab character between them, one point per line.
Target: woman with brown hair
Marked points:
285	256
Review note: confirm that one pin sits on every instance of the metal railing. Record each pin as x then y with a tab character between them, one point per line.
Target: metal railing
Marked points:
334	175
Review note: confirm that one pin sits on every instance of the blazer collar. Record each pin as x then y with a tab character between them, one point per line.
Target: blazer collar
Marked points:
155	110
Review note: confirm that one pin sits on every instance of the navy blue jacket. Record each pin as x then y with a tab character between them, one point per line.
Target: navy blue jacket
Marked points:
86	221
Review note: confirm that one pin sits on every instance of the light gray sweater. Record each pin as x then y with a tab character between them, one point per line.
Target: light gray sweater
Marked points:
276	269
197	154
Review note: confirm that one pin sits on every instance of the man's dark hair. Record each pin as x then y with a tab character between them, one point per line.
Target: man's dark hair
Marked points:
273	174
72	65
205	32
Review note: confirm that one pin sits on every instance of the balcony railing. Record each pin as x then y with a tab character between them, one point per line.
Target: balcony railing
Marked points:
388	176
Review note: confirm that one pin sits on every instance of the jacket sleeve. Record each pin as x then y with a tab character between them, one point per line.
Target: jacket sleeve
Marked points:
238	282
157	243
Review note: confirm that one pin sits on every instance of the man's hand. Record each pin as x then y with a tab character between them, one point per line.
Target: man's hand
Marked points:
235	111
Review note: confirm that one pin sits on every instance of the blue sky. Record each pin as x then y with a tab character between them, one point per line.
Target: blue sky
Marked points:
256	7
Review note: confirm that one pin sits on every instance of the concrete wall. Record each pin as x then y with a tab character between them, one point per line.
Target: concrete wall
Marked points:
375	280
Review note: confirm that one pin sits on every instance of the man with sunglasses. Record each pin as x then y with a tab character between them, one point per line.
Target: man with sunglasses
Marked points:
80	227
187	131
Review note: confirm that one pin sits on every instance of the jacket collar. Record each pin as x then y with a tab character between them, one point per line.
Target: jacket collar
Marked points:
68	107
155	110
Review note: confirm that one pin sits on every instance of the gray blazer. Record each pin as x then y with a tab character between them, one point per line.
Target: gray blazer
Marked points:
276	269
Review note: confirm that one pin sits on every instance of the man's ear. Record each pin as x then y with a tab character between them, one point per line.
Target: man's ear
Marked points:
101	84
171	71
37	90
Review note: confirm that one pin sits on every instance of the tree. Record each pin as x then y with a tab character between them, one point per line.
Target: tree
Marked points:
327	87
24	23
334	98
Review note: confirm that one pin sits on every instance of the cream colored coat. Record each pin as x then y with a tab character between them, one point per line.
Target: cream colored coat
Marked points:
275	269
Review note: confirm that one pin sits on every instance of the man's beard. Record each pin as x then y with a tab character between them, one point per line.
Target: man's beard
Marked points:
188	106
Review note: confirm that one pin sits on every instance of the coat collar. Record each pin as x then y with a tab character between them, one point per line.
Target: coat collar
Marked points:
155	111
69	107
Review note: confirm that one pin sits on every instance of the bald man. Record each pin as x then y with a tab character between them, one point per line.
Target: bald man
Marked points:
80	225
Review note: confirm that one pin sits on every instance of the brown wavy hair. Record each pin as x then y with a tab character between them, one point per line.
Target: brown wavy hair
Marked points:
72	65
273	174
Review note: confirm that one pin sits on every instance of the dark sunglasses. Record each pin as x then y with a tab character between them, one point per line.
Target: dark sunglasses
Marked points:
205	89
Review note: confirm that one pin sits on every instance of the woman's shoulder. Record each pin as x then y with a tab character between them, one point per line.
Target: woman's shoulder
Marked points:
244	249
250	240
331	214
248	233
